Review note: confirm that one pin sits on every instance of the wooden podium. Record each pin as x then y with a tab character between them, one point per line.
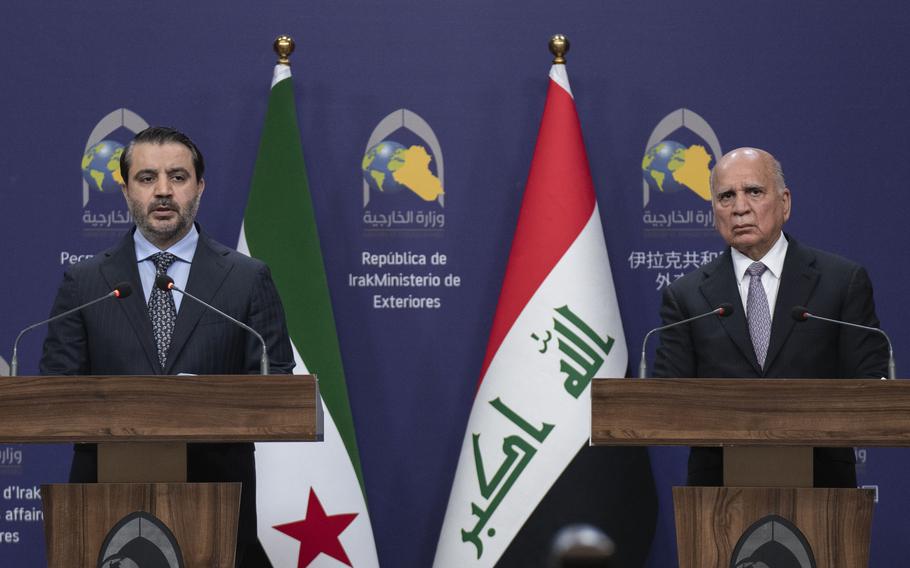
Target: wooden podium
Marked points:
142	425
767	428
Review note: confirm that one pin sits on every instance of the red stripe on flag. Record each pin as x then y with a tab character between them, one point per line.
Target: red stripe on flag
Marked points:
557	204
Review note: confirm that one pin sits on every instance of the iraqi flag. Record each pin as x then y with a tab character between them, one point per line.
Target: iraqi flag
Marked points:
557	327
312	509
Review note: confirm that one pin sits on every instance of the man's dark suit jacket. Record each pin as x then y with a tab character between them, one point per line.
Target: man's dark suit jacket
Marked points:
828	286
114	337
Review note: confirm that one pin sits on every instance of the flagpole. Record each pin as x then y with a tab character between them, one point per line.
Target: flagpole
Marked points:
310	497
531	410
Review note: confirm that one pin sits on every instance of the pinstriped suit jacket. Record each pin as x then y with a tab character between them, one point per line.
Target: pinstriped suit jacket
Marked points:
114	337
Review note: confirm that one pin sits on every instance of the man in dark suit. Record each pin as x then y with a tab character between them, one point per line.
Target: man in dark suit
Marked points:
153	332
766	273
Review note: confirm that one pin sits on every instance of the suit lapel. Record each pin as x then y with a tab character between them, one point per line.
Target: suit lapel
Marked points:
719	287
121	266
207	274
798	280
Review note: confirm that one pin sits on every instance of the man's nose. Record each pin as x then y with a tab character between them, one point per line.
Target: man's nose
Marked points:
740	204
163	187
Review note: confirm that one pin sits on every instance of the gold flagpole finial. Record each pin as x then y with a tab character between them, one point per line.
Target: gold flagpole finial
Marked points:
559	46
284	47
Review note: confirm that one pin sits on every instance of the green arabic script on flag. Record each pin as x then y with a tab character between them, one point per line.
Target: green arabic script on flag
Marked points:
537	417
519	451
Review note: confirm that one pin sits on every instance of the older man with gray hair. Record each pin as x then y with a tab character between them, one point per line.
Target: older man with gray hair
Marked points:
768	272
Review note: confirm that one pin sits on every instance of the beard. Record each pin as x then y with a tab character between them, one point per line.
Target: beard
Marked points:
164	233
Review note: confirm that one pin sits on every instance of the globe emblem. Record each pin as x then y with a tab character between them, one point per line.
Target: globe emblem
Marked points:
101	166
380	164
670	167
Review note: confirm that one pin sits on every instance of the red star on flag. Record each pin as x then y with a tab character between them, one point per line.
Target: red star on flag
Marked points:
318	532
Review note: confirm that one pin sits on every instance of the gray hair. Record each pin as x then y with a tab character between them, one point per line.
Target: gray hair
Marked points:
776	170
777	174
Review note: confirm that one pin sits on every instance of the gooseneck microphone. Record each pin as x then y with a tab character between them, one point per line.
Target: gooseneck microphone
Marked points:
722	310
166	283
121	290
802	313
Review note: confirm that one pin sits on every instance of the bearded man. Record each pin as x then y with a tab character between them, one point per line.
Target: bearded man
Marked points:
155	332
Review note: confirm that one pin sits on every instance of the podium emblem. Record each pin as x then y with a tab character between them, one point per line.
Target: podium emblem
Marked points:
773	542
140	540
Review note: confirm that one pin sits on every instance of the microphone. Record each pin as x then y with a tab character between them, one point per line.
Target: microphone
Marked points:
722	310
802	313
121	290
166	283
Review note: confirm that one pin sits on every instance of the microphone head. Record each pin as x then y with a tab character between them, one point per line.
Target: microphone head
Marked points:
122	290
725	310
799	313
164	282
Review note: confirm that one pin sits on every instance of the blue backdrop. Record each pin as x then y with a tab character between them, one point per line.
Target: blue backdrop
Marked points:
821	85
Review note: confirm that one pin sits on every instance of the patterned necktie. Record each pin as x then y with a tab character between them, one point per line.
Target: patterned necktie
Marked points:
162	310
758	312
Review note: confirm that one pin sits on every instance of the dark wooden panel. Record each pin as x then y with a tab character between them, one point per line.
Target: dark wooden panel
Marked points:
780	412
710	521
210	523
202	516
105	505
142	462
183	408
64	526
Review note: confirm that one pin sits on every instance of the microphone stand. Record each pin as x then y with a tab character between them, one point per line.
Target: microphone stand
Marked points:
722	310
166	283
14	362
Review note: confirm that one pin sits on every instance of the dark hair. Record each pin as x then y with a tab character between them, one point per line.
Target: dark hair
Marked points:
161	135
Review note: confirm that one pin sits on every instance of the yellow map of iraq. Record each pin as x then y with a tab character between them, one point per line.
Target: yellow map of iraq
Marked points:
411	168
689	167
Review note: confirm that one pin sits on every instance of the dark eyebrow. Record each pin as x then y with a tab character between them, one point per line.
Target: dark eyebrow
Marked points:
178	171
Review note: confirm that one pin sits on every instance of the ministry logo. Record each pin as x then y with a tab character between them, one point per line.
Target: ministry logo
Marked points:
101	178
676	172
403	177
140	540
773	542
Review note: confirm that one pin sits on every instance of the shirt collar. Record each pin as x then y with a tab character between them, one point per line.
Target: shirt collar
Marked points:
184	249
773	259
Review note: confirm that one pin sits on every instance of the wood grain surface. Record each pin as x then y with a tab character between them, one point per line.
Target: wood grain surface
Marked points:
778	412
710	521
159	408
202	517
